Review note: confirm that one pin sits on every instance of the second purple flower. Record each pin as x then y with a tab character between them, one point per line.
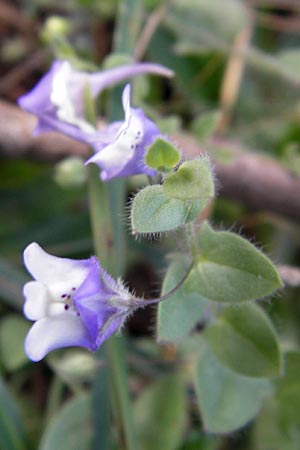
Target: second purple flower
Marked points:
58	102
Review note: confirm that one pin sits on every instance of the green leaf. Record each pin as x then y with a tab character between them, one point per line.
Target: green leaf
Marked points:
193	180
169	125
230	269
178	315
153	212
13	330
278	424
11	281
205	125
160	413
206	16
290	58
288	392
162	155
12	436
268	433
244	340
73	366
71	428
227	400
210	30
101	395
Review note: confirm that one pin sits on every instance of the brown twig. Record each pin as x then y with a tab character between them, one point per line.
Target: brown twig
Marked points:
152	23
12	16
289	275
258	182
233	73
282	4
16	140
277	23
21	71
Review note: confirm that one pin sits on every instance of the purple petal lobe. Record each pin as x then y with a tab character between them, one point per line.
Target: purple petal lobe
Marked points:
37	101
108	78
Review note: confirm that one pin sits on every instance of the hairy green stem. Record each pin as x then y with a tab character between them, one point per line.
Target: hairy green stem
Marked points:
116	352
128	27
105	243
100	218
54	398
191	239
107	205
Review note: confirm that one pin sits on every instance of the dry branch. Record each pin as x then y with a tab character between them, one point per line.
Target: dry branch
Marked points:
16	140
258	182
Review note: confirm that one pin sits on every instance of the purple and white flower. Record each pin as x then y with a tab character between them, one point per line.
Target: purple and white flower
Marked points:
73	303
58	99
124	154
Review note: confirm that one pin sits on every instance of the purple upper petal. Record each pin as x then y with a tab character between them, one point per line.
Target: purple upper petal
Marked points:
108	78
124	156
37	101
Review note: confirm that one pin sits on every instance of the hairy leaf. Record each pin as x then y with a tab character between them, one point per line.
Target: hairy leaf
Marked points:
193	180
160	413
162	155
227	400
71	428
244	340
230	269
153	212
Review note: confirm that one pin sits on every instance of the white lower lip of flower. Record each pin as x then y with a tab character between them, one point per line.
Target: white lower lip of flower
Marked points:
60	300
50	333
42	301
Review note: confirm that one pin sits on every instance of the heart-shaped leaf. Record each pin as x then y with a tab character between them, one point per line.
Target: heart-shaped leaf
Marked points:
162	155
153	212
193	180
